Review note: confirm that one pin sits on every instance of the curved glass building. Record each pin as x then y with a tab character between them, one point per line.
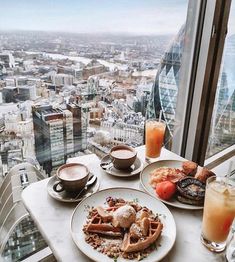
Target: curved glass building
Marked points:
222	133
165	90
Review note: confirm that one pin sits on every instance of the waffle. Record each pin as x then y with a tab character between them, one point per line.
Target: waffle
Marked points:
131	245
105	230
98	226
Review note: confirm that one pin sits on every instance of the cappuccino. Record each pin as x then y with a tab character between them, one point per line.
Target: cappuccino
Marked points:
75	172
122	153
122	156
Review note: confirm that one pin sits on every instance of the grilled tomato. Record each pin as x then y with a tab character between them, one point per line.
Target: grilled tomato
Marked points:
165	190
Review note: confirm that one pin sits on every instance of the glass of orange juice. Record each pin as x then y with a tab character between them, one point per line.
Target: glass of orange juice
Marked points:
219	212
154	137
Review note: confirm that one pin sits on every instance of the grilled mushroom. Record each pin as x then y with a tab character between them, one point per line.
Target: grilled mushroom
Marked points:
191	188
190	201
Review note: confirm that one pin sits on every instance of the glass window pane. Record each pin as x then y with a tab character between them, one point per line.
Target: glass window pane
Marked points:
222	130
79	81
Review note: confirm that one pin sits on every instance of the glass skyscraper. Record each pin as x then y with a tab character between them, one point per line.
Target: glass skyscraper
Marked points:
165	90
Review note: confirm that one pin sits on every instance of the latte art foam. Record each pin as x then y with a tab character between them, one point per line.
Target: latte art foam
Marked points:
122	153
73	173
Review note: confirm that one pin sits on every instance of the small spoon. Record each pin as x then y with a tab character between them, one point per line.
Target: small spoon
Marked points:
105	165
89	183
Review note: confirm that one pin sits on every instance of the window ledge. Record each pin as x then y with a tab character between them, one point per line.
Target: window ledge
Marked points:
220	157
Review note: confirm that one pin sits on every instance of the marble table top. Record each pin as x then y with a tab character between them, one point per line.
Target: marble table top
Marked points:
53	217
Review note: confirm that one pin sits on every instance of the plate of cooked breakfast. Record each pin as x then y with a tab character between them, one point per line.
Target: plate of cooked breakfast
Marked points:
123	224
177	183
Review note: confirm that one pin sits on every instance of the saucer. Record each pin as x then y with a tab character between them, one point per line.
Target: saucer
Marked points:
107	165
66	197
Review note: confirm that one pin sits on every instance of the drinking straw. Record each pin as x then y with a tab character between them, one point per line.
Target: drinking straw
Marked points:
230	168
229	172
160	116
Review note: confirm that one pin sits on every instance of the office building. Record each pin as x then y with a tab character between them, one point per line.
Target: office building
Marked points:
11	121
19	236
10	81
58	133
9	94
62	79
21	81
93	68
165	90
49	136
27	92
79	133
7	59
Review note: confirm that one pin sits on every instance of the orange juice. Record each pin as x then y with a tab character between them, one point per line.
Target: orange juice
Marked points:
154	137
219	212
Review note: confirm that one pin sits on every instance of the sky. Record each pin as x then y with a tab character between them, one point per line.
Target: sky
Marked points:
94	16
231	21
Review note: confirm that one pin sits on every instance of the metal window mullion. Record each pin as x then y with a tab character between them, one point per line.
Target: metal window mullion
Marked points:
198	84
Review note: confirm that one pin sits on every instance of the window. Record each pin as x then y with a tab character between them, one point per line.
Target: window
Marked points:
101	72
83	79
222	129
75	79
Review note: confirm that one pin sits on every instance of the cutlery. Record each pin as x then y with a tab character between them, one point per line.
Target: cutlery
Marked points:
90	182
106	165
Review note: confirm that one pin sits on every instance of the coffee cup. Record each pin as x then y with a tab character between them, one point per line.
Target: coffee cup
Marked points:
122	156
72	177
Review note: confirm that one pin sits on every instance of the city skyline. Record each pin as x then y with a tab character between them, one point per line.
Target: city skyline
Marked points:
80	77
133	17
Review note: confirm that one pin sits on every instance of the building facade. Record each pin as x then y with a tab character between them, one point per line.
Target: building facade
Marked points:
165	90
58	133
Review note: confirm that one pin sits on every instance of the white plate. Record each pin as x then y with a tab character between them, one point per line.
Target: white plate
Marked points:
145	177
80	213
135	169
65	197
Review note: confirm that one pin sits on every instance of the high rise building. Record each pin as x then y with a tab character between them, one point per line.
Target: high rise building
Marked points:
78	133
165	90
7	59
57	133
49	137
19	237
69	131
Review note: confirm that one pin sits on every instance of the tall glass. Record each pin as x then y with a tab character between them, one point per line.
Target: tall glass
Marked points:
230	250
154	137
219	212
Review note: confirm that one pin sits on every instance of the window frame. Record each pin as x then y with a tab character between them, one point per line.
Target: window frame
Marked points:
192	141
210	80
188	71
